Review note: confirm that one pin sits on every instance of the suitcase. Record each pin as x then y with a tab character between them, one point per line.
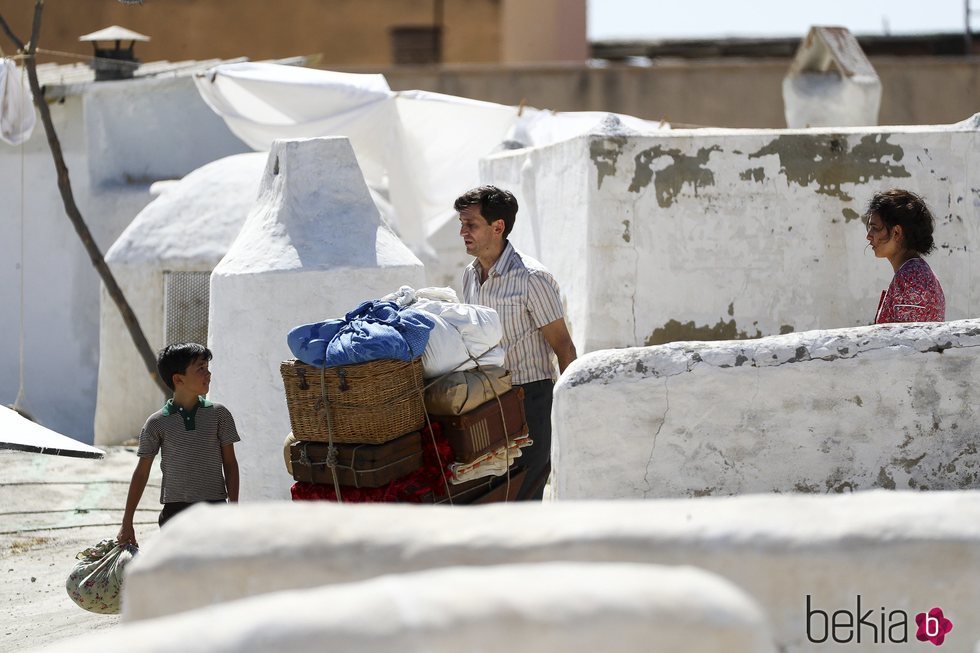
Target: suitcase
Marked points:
358	465
483	429
491	489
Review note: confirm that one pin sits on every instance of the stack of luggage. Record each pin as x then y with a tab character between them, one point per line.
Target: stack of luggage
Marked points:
370	414
482	417
380	413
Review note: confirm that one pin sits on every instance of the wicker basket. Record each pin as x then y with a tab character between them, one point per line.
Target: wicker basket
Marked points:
370	403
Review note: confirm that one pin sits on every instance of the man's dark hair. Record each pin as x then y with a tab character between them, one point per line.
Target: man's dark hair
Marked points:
902	207
495	204
174	359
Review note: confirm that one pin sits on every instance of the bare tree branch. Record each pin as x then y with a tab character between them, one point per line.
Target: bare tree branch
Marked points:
68	198
10	33
36	26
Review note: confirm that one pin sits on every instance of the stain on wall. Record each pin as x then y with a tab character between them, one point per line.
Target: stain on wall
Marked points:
828	161
753	174
626	231
674	331
604	153
669	181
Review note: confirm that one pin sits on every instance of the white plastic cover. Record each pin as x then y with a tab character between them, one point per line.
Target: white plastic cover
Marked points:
420	150
16	105
422	147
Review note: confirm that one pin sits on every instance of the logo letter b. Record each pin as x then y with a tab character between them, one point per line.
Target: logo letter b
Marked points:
810	613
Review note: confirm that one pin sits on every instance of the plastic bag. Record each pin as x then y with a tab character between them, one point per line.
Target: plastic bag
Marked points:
95	583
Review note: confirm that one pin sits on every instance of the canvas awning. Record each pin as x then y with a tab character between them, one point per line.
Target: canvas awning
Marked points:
20	433
420	149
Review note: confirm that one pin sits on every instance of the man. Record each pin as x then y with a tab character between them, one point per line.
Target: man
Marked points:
526	297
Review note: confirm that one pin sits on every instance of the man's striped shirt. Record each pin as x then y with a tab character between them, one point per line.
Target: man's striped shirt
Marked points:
189	442
526	297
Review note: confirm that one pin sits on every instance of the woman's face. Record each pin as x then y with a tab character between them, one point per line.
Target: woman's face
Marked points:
882	238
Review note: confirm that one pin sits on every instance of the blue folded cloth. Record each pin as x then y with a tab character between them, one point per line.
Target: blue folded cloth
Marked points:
374	330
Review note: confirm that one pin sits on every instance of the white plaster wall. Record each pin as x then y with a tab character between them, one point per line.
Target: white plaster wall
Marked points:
60	287
312	248
712	234
189	228
154	128
141	139
558	607
900	550
820	411
445	257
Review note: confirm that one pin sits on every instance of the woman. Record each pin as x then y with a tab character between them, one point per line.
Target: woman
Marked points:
900	230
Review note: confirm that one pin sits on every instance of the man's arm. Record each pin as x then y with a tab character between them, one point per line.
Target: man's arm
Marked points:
230	465
556	333
136	486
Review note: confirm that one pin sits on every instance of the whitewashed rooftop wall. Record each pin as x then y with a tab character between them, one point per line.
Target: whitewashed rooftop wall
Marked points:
890	406
717	234
898	550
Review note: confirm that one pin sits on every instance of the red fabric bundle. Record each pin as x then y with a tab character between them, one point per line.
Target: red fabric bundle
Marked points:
428	481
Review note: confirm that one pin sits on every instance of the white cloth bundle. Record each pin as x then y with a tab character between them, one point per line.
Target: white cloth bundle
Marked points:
95	582
464	335
406	295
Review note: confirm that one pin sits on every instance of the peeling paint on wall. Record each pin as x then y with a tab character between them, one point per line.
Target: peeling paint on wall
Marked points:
885	479
674	331
669	181
850	214
786	328
826	160
626	231
604	153
753	174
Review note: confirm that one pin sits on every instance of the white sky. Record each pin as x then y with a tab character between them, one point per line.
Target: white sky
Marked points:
665	19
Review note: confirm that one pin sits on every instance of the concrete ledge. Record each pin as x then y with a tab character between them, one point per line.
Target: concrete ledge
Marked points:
889	406
567	607
897	550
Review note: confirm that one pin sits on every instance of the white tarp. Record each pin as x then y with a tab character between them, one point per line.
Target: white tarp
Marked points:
16	106
22	434
421	148
418	149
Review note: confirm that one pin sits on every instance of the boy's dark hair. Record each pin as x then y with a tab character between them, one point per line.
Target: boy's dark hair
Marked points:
902	207
495	204
175	358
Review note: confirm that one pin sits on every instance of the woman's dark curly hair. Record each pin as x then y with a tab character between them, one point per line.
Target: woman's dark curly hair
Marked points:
902	207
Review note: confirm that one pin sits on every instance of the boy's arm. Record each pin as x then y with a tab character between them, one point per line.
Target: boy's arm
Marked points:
230	464
136	486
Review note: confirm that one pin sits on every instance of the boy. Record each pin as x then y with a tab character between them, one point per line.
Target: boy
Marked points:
196	439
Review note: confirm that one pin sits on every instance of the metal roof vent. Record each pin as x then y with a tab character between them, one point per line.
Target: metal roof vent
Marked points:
114	62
